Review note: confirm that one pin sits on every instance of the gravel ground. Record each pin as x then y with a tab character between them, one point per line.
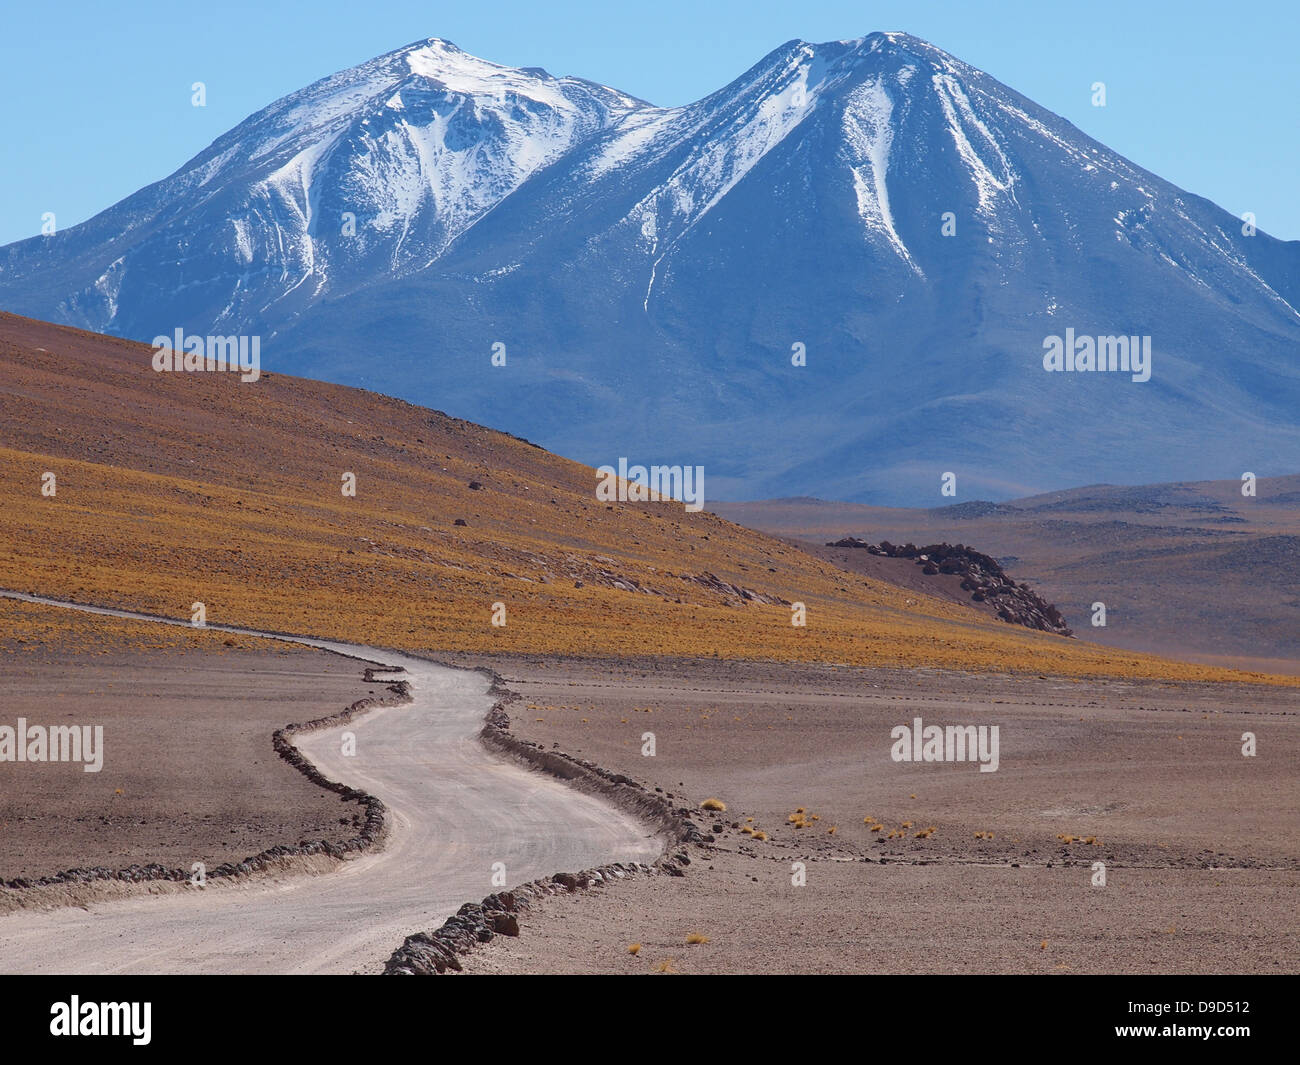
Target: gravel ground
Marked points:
189	774
1201	845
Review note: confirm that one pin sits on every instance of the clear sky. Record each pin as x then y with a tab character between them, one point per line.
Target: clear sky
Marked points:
97	94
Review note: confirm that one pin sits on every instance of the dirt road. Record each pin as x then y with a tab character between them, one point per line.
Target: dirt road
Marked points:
454	811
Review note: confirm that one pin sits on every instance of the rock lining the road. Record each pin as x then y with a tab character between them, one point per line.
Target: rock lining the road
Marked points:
432	953
22	891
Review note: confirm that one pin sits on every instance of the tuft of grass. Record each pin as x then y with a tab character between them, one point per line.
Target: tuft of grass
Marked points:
695	938
714	804
665	966
760	834
634	949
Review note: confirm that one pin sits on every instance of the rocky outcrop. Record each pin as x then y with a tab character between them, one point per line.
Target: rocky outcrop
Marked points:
607	575
980	575
715	583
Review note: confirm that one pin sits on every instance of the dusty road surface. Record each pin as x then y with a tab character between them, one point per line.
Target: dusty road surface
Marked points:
454	811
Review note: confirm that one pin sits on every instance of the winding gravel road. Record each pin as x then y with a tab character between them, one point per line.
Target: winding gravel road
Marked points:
453	809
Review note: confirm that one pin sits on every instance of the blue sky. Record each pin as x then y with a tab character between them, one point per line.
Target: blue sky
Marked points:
97	101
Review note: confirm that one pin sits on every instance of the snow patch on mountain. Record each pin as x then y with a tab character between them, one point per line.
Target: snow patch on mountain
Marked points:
762	115
868	135
635	136
243	239
963	122
108	283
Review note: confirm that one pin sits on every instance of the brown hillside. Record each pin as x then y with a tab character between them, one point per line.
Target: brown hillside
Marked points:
184	487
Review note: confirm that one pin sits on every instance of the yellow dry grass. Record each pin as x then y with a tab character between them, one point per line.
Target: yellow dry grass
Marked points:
182	488
27	628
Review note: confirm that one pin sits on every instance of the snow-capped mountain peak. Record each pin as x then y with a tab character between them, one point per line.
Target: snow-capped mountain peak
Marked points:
915	226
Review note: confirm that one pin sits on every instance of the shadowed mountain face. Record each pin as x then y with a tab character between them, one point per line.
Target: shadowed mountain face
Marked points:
917	227
1197	570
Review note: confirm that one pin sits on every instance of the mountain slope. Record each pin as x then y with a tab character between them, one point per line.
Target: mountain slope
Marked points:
181	488
648	271
416	146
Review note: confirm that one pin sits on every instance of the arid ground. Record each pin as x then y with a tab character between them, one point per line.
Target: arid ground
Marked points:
1201	845
189	773
172	489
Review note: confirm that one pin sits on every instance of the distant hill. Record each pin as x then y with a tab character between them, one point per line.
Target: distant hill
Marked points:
1188	569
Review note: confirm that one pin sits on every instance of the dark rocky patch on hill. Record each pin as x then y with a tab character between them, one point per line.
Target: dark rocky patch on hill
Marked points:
981	576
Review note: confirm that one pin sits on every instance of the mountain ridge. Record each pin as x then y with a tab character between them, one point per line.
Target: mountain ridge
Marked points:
649	270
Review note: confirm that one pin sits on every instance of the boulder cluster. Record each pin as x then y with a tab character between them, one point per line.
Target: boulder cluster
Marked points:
981	576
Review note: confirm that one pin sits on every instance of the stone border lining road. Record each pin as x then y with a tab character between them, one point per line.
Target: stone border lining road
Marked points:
371	832
431	953
474	922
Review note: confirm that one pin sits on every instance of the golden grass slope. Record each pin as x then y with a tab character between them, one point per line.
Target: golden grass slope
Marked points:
194	487
34	628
